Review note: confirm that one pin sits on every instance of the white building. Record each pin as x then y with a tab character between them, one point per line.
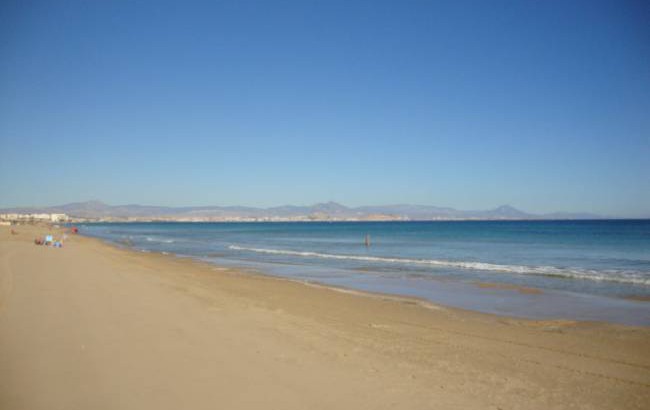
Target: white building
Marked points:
58	217
17	217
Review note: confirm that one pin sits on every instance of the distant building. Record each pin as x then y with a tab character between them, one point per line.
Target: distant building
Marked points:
58	217
18	217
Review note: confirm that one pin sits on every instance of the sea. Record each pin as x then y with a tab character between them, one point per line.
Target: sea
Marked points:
596	270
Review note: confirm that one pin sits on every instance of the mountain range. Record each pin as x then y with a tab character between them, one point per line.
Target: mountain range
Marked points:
320	211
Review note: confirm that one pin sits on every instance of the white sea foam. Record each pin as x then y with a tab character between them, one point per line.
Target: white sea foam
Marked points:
621	276
160	240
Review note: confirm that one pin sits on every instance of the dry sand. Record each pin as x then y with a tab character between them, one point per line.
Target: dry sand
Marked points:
90	326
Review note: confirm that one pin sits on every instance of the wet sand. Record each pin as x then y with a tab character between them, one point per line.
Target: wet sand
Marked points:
503	286
638	298
93	326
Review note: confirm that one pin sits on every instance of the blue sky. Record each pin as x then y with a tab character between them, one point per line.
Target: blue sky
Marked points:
544	105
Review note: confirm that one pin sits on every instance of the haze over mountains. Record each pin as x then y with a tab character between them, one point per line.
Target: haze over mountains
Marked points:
322	211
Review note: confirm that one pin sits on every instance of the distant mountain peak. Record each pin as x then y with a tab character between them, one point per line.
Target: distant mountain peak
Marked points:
330	210
330	206
330	203
506	208
92	202
508	211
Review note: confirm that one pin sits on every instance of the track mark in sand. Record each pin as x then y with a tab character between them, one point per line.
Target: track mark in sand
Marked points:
530	346
462	347
6	280
537	362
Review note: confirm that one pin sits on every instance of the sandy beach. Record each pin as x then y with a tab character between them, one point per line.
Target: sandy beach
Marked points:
91	326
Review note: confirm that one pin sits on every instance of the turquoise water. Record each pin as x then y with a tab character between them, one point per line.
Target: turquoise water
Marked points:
599	262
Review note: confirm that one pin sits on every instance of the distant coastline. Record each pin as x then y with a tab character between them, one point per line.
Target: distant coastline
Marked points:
96	211
333	220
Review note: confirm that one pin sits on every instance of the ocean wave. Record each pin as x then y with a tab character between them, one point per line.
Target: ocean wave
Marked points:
159	240
610	275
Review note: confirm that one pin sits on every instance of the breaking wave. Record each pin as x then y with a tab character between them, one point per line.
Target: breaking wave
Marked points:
159	240
610	275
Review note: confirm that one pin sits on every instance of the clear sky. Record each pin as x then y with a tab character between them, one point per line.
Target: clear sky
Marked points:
544	105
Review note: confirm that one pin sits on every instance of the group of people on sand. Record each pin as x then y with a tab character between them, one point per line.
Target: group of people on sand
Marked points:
49	240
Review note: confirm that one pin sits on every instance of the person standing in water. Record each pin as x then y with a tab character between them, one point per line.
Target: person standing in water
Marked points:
367	241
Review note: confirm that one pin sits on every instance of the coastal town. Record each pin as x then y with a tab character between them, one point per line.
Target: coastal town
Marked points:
17	218
22	218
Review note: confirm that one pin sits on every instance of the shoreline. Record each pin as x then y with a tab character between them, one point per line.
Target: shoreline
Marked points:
240	270
399	298
501	299
81	323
